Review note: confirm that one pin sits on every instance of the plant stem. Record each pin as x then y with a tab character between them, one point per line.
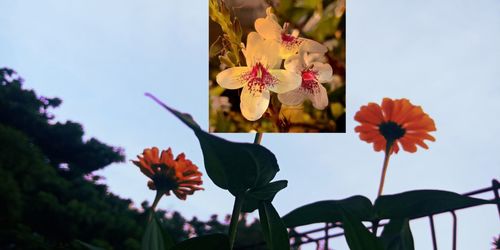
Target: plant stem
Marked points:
157	199
384	168
158	196
235	216
258	138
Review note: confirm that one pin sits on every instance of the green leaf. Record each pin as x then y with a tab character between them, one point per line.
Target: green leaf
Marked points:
263	193
234	166
419	203
357	235
359	208
397	235
205	242
273	228
155	238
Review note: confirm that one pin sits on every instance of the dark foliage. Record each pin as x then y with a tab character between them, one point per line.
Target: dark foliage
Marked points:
44	206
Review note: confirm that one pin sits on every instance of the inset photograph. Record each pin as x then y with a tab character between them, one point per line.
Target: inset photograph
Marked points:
277	66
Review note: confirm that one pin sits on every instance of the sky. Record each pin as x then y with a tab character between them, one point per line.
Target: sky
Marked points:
100	57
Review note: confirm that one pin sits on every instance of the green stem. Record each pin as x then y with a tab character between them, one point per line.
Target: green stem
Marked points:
158	196
238	204
388	150
235	216
258	138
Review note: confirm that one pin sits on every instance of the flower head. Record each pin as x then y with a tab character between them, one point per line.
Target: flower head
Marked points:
261	75
180	176
395	122
289	44
312	73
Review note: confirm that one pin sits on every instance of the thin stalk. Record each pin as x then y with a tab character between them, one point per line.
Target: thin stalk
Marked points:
235	216
238	203
258	138
158	196
384	168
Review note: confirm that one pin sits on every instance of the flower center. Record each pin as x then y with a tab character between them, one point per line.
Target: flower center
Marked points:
391	130
164	179
309	81
289	41
259	78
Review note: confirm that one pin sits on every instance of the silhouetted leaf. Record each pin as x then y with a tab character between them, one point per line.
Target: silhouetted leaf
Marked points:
418	203
234	166
397	235
359	208
155	238
273	228
205	242
357	235
264	193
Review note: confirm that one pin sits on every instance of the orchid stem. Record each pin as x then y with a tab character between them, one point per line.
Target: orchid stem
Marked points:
235	216
384	168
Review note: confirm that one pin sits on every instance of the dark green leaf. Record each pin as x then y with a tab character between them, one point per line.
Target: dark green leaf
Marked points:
397	235
264	193
206	242
273	228
155	238
415	204
234	166
357	235
359	207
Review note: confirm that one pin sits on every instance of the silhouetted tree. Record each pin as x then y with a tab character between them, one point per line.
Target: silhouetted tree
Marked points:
49	198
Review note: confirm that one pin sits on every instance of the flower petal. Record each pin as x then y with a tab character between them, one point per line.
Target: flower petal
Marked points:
324	70
292	98
319	98
231	78
253	103
312	46
263	51
286	80
295	63
268	28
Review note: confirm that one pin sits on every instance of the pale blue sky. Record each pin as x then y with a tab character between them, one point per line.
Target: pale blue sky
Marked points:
101	56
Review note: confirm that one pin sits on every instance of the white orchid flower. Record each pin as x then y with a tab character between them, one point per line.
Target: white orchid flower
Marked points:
313	73
261	75
290	44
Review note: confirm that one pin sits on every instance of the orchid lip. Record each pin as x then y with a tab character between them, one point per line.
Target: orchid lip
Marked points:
259	78
309	81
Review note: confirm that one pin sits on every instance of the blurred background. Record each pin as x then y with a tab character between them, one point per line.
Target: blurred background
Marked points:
99	57
322	21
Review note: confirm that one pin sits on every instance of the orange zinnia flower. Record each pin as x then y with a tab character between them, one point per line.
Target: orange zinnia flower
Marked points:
180	176
395	122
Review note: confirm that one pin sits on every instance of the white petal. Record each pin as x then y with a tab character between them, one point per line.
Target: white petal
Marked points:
269	28
312	46
294	63
319	99
287	51
293	98
253	104
253	40
310	58
263	51
231	78
286	80
324	70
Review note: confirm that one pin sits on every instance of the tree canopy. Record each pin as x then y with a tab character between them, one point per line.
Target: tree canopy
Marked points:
49	197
